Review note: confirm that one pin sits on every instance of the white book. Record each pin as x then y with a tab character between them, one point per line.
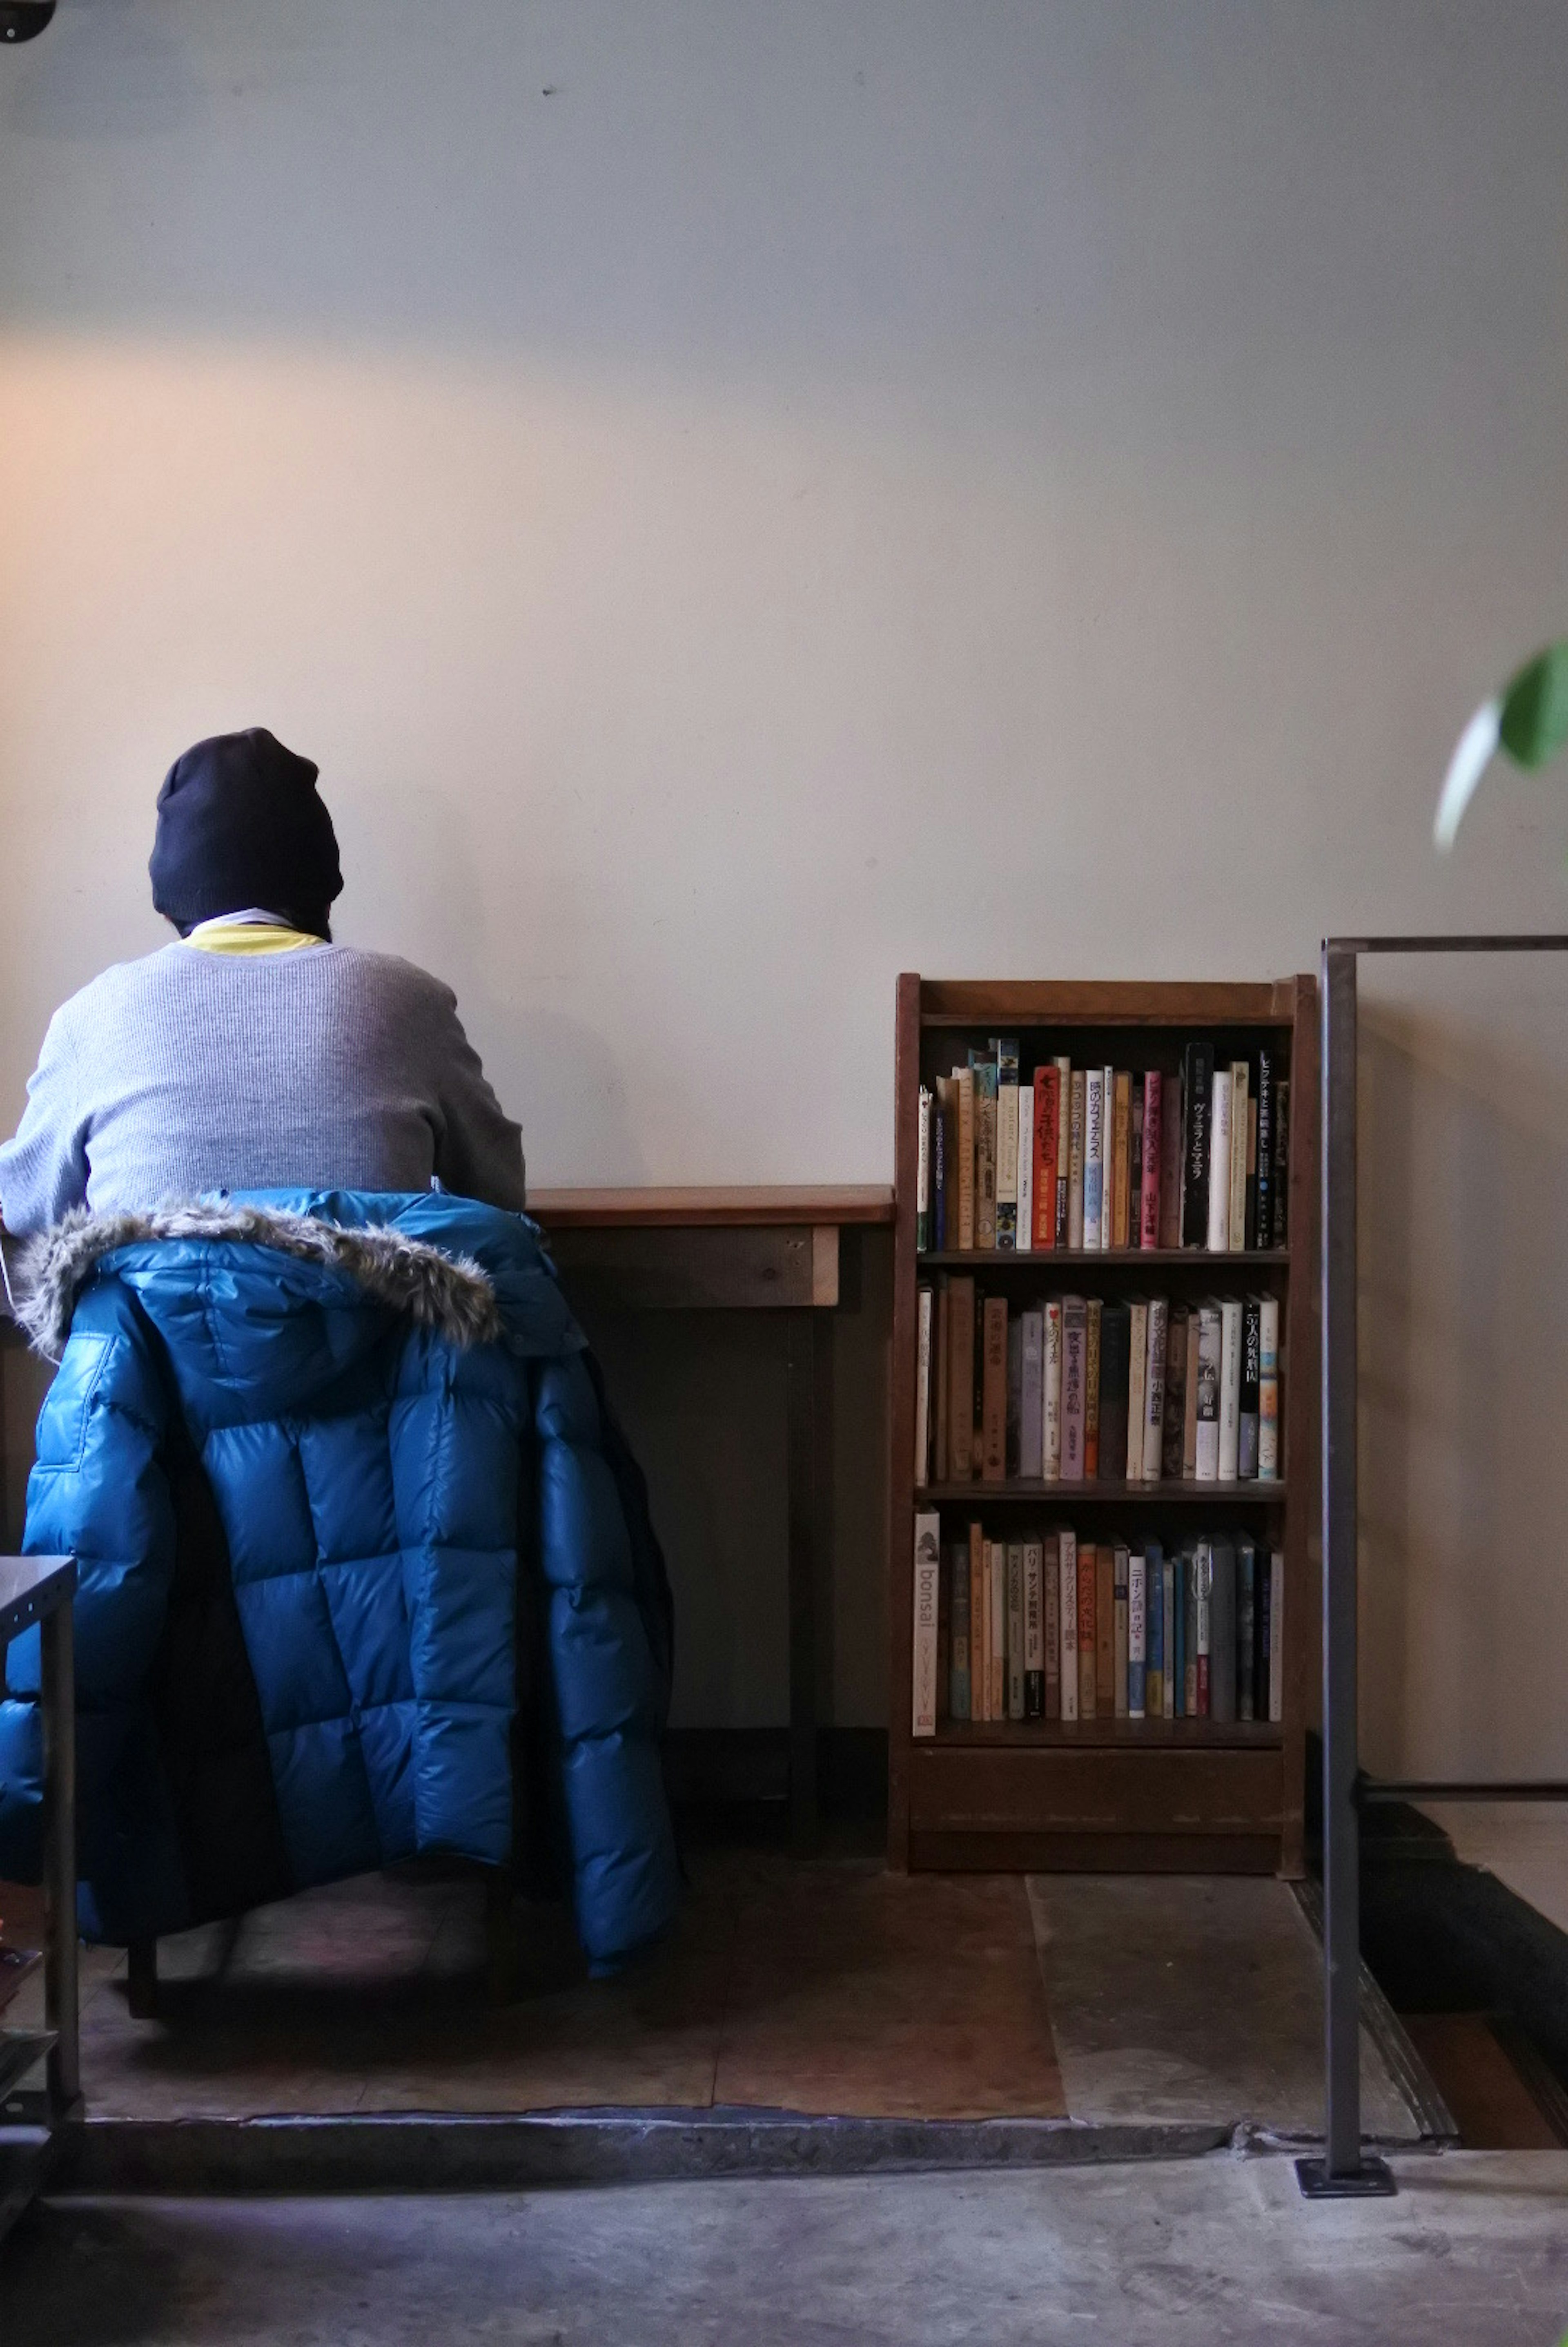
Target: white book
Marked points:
1014	1629
1277	1636
1093	1157
1155	1389
1219	1164
1137	1390
1208	1353
1053	1391
996	1681
1007	1151
1119	1632
1025	1239
1067	1617
1075	1161
1230	1388
927	1590
922	1390
1137	1634
1031	1397
1108	1159
1236	1213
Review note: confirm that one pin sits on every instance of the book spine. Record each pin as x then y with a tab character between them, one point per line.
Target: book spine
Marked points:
1075	1341
996	1620
1116	1347
1137	1388
1053	1625
1173	1148
1107	1156
1277	1636
942	1220
1229	1389
1088	1661
1262	1638
963	1081
1031	1397
1155	1389
1025	1234
1222	1632
1093	1157
1187	1633
1051	1409
1149	1192
943	1635
1076	1162
1189	1400
922	1174
942	1377
1014	1629
1198	1101
961	1400
979	1644
1064	1152
1121	1156
1251	1383
1014	1390
1121	1565
1067	1614
1154	1631
1033	1629
1251	1240
1137	1634
1268	1390
924	1299
927	1592
993	1393
1266	1145
984	1155
1105	1630
1167	1637
958	1649
1207	1466
1047	1103
1280	1183
1246	1629
1135	1166
1171	1462
1006	1049
1093	1314
1203	1582
1217	1235
1237	1216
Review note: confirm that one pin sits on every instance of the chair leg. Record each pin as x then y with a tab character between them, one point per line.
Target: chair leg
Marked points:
141	1967
500	1938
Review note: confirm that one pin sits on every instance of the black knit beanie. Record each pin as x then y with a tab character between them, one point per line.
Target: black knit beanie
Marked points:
240	823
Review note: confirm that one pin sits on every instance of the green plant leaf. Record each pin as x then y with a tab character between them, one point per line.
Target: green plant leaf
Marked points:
1534	720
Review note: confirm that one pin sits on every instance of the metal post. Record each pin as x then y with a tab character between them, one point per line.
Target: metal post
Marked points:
1342	2171
57	1659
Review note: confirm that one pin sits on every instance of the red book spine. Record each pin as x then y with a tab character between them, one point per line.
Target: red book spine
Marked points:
1047	1100
1149	1220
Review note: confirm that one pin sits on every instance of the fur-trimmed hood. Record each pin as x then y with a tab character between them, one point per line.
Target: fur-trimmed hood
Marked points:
450	1294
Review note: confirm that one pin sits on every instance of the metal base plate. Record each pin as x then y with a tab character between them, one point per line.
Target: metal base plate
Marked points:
1373	2180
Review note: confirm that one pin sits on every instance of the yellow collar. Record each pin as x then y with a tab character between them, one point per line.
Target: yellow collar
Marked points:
224	936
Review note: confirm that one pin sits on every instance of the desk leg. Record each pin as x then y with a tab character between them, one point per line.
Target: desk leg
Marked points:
60	1856
810	1505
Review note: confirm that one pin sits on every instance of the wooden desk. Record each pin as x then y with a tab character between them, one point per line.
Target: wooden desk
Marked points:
757	1248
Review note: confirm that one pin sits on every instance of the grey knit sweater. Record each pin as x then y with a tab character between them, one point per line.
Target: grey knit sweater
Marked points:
188	1071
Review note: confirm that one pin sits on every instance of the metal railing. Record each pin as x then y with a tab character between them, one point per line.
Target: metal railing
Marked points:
1346	2170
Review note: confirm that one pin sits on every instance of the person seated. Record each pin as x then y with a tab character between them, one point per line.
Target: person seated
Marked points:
366	1569
255	1053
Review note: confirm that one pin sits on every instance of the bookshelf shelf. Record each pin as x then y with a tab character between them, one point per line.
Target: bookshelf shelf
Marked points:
1063	1498
1099	1794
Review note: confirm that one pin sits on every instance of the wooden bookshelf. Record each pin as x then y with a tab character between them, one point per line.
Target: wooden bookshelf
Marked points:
1102	1795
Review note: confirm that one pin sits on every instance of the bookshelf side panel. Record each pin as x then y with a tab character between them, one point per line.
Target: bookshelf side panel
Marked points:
900	1462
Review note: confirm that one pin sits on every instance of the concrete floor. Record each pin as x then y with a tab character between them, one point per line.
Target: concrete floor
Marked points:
1474	2251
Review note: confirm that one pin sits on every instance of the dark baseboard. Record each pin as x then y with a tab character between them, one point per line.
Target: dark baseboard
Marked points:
743	1768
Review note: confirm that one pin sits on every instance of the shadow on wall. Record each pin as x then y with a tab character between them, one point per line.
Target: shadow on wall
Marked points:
1464	1401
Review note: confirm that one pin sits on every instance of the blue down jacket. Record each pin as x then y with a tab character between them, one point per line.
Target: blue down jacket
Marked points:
366	1569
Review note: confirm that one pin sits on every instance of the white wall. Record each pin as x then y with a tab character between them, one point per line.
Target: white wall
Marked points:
829	490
